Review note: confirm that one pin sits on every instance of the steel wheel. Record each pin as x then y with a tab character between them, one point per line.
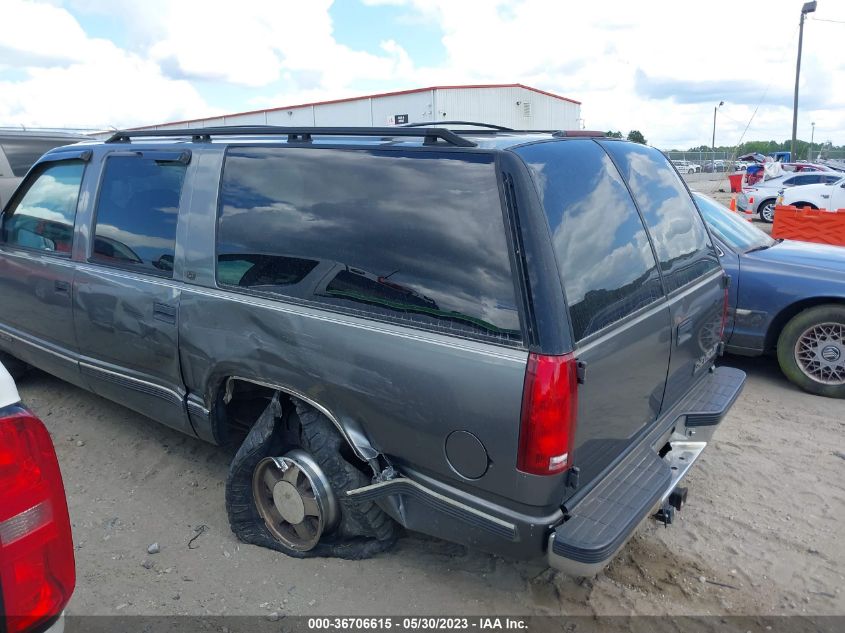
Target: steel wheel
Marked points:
767	211
820	353
295	500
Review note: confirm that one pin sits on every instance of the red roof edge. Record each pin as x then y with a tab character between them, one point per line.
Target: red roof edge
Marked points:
372	96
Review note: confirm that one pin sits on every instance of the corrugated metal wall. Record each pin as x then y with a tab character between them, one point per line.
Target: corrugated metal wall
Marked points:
514	107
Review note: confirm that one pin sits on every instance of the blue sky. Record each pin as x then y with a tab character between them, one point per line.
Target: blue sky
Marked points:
659	67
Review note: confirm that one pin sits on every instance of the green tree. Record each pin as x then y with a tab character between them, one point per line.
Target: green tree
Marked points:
636	136
610	134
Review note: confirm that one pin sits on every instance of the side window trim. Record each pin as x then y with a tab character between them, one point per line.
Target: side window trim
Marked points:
26	184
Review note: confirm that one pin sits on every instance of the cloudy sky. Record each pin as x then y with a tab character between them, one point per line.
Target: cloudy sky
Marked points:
656	66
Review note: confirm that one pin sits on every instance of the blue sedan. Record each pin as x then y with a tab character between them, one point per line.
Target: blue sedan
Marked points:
786	298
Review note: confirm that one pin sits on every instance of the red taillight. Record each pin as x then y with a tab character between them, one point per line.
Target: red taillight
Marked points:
37	574
549	408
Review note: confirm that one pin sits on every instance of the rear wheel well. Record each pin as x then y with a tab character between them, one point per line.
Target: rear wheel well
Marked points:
239	404
784	316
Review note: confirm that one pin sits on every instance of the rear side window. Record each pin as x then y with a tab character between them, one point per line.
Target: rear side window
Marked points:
415	237
43	218
680	239
603	253
137	211
23	152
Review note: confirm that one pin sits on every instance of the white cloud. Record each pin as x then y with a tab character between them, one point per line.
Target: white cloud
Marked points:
73	80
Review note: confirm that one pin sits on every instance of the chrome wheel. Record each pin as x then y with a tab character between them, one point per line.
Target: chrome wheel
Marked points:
295	500
820	353
767	211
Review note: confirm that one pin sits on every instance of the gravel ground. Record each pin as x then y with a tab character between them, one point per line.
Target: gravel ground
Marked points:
761	533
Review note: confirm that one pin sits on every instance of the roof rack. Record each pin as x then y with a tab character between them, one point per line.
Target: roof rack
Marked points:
430	136
579	133
490	126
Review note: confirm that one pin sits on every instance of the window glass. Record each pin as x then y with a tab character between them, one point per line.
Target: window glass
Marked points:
416	237
605	259
137	212
22	152
735	231
683	247
43	218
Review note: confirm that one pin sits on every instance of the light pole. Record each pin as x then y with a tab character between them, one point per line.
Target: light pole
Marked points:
812	136
809	7
713	141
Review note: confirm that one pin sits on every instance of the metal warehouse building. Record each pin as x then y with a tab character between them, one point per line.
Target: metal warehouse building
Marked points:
511	105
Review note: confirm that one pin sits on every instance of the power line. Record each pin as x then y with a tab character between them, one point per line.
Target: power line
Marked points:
825	20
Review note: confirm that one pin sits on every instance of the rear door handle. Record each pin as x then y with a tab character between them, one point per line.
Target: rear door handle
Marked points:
165	313
62	286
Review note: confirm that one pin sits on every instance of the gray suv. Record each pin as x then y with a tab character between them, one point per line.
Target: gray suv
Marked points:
501	338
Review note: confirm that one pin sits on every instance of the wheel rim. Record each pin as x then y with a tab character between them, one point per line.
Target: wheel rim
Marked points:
768	211
294	498
820	353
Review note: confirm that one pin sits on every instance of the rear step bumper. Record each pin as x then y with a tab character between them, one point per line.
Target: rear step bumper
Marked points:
606	517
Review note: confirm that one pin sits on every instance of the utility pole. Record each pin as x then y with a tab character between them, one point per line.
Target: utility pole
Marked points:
812	136
809	7
713	142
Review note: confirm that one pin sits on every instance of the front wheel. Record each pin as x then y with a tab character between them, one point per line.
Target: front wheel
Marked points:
811	350
767	211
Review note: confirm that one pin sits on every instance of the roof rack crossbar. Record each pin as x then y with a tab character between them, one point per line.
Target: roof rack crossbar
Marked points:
430	136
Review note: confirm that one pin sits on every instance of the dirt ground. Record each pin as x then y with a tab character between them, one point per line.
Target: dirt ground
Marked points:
761	534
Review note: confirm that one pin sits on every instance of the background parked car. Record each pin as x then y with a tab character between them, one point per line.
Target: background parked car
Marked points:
829	196
687	167
37	571
761	197
786	298
712	166
19	149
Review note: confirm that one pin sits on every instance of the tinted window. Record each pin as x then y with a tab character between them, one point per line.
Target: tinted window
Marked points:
680	238
416	237
605	259
23	152
800	180
137	212
44	216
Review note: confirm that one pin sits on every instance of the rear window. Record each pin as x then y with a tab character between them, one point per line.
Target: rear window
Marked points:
412	237
137	213
606	262
683	246
23	152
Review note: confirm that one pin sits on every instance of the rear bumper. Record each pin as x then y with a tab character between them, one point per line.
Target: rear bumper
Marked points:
605	517
608	513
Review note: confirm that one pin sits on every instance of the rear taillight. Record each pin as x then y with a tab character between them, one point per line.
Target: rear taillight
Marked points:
549	409
37	573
